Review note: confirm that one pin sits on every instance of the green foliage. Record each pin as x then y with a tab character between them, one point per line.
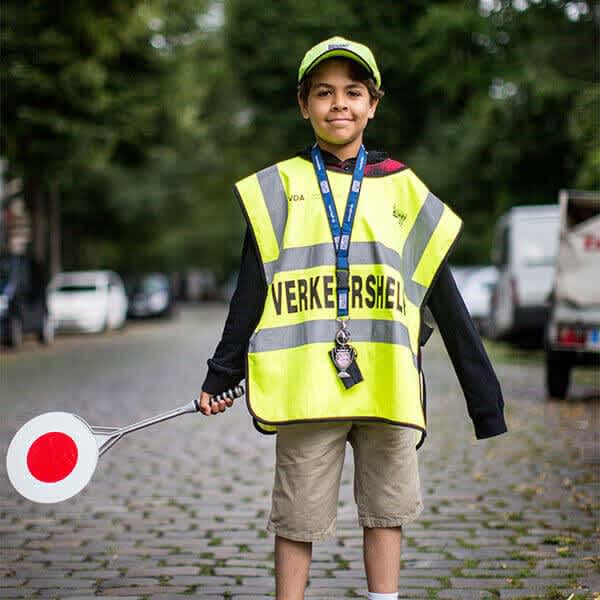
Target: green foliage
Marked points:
266	45
63	85
511	125
143	113
123	106
492	109
584	129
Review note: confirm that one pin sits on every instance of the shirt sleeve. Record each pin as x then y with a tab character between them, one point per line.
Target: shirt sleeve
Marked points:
227	366
468	356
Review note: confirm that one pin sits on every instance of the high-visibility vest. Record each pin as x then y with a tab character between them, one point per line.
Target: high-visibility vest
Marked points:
402	235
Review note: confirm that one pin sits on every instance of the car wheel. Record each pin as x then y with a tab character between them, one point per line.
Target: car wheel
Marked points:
558	374
46	334
15	332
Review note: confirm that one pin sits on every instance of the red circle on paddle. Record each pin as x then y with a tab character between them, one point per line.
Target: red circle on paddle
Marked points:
52	457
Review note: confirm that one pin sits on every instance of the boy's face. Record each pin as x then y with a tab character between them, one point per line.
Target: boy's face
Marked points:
338	108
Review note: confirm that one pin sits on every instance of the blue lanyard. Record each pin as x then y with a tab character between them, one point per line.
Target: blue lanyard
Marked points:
341	235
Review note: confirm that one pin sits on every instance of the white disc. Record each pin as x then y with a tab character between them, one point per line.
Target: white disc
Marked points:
52	457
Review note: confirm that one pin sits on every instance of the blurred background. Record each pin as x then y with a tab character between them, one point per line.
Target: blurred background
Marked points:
125	124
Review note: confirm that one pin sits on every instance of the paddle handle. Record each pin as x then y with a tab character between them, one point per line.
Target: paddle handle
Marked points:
115	434
190	407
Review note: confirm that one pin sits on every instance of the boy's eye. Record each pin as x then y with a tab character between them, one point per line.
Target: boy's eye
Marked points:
352	93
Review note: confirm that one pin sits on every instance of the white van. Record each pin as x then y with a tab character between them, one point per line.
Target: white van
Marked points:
525	249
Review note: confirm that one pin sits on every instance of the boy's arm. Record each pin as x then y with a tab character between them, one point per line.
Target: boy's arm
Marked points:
469	358
227	366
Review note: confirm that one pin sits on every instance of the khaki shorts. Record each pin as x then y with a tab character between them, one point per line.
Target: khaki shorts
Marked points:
308	470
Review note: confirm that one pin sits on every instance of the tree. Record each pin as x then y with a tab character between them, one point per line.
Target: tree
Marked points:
150	203
106	105
492	103
139	115
266	42
68	106
514	104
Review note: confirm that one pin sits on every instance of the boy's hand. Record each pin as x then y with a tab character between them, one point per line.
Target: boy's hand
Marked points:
208	408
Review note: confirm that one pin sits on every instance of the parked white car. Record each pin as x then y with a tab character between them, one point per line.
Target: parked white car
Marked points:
89	301
524	252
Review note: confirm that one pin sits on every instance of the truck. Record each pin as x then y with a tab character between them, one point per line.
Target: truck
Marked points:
573	330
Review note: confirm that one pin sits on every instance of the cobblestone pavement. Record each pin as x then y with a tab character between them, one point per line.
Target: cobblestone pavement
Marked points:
180	509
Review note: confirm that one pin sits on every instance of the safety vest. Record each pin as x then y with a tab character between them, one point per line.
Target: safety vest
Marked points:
402	235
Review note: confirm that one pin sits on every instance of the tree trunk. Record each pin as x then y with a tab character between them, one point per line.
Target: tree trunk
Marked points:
55	262
39	221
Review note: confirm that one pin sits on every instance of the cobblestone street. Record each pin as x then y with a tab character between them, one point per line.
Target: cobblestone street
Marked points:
181	508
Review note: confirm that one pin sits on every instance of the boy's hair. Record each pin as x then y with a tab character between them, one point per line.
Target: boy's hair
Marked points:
357	72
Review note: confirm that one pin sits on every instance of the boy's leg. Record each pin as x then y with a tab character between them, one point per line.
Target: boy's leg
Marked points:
292	564
381	551
308	469
388	495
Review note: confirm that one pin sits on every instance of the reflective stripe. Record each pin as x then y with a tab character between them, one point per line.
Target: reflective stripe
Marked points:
442	239
324	330
275	199
427	220
306	257
414	291
364	253
293	259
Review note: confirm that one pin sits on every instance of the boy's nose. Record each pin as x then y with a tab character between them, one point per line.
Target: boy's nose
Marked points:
339	103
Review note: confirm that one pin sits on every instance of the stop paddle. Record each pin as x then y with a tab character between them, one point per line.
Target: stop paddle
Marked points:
53	456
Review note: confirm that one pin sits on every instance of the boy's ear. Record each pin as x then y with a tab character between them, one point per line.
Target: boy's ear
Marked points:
303	107
373	107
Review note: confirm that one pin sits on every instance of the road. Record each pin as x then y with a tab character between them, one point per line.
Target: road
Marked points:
180	509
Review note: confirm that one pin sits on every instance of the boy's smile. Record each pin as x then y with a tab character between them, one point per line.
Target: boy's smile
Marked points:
338	107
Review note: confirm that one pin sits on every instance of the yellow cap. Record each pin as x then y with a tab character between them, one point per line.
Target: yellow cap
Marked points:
338	46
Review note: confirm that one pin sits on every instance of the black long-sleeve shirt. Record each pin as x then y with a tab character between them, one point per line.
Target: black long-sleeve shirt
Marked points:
463	343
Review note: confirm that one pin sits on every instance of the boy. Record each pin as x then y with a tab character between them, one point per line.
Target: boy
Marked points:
329	318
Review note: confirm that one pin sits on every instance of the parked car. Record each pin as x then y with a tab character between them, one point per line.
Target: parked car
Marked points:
525	249
23	306
89	301
476	288
573	332
150	296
